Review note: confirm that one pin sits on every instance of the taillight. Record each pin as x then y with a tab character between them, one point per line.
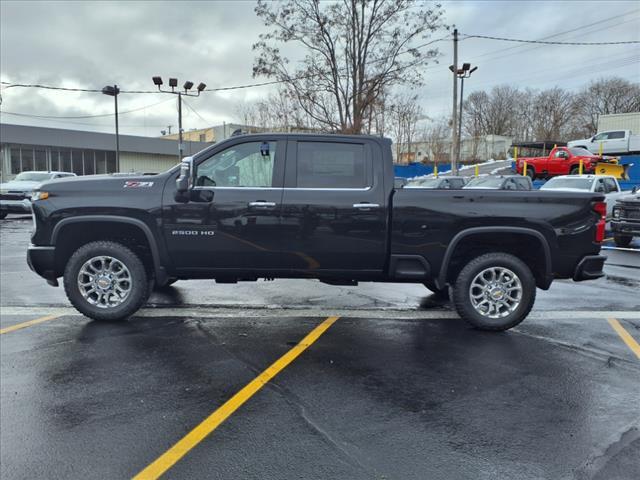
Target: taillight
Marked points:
601	209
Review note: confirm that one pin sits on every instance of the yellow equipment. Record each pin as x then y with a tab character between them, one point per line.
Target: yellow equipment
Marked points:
612	167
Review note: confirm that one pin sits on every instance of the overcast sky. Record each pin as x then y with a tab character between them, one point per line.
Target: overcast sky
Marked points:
92	44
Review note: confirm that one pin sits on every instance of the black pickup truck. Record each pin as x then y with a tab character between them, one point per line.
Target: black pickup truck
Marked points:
308	206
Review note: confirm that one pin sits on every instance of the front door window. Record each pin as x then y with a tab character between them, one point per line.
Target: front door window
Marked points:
244	165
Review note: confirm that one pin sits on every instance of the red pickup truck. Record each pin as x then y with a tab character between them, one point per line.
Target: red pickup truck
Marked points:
561	161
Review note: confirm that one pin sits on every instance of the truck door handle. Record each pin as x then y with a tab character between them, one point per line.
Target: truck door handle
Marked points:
262	204
365	206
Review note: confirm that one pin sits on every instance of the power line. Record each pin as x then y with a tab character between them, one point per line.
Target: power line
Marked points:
218	89
54	117
495	53
519	40
194	111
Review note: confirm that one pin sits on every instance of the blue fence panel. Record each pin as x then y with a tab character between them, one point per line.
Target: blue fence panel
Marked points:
418	169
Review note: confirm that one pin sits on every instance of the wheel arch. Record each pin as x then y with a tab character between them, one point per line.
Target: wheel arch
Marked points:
541	270
131	223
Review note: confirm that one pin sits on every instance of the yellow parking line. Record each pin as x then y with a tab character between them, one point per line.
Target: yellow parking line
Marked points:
626	336
209	424
19	326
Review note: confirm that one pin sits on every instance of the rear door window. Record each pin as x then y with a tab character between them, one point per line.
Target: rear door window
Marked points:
332	165
610	185
616	135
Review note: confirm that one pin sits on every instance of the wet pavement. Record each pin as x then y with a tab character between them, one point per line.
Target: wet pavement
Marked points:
397	388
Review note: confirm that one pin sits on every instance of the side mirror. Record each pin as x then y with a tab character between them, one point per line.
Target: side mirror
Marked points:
635	189
183	182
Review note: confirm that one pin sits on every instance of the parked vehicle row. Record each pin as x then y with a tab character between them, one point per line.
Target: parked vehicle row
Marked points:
15	196
484	182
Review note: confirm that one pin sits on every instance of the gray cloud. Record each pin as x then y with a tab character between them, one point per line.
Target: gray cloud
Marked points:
91	44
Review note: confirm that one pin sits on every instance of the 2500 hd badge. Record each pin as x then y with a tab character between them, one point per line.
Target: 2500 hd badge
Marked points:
207	233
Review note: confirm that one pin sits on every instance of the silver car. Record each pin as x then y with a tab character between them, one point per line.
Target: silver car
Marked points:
15	196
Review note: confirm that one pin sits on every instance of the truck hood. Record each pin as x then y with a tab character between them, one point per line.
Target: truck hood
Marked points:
22	186
113	185
633	199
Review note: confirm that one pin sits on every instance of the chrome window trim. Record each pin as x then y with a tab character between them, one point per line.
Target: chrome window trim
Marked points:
341	189
286	188
235	188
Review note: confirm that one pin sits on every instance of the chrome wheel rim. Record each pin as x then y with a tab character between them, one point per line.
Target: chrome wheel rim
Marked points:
495	292
104	281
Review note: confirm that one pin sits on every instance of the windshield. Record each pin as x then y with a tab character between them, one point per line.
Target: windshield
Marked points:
485	182
580	152
425	183
33	177
567	182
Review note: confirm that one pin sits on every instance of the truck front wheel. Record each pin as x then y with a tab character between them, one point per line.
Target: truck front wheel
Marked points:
494	291
106	281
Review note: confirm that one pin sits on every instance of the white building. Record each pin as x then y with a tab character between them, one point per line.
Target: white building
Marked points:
471	149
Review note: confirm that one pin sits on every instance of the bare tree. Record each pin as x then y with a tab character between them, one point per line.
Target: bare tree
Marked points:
552	114
438	139
606	96
404	112
356	50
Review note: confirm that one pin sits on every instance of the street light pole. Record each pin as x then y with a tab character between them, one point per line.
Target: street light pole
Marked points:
173	83
113	91
463	72
460	117
180	144
454	70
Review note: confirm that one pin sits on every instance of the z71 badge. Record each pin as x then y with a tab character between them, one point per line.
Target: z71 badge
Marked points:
135	184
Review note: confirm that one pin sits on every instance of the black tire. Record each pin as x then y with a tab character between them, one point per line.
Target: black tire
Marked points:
139	286
574	171
622	240
462	293
531	173
438	292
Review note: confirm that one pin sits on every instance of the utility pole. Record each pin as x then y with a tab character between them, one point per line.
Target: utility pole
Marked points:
180	144
454	120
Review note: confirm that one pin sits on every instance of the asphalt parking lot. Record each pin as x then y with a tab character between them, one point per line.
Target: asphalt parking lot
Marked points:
296	379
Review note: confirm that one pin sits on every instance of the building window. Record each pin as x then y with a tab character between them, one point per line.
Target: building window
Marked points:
15	160
101	164
76	156
41	160
89	162
65	160
27	159
203	137
111	162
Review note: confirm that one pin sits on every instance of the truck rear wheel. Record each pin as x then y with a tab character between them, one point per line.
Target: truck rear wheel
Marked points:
106	281
494	291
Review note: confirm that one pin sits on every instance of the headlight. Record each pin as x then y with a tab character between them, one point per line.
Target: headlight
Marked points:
38	195
616	212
